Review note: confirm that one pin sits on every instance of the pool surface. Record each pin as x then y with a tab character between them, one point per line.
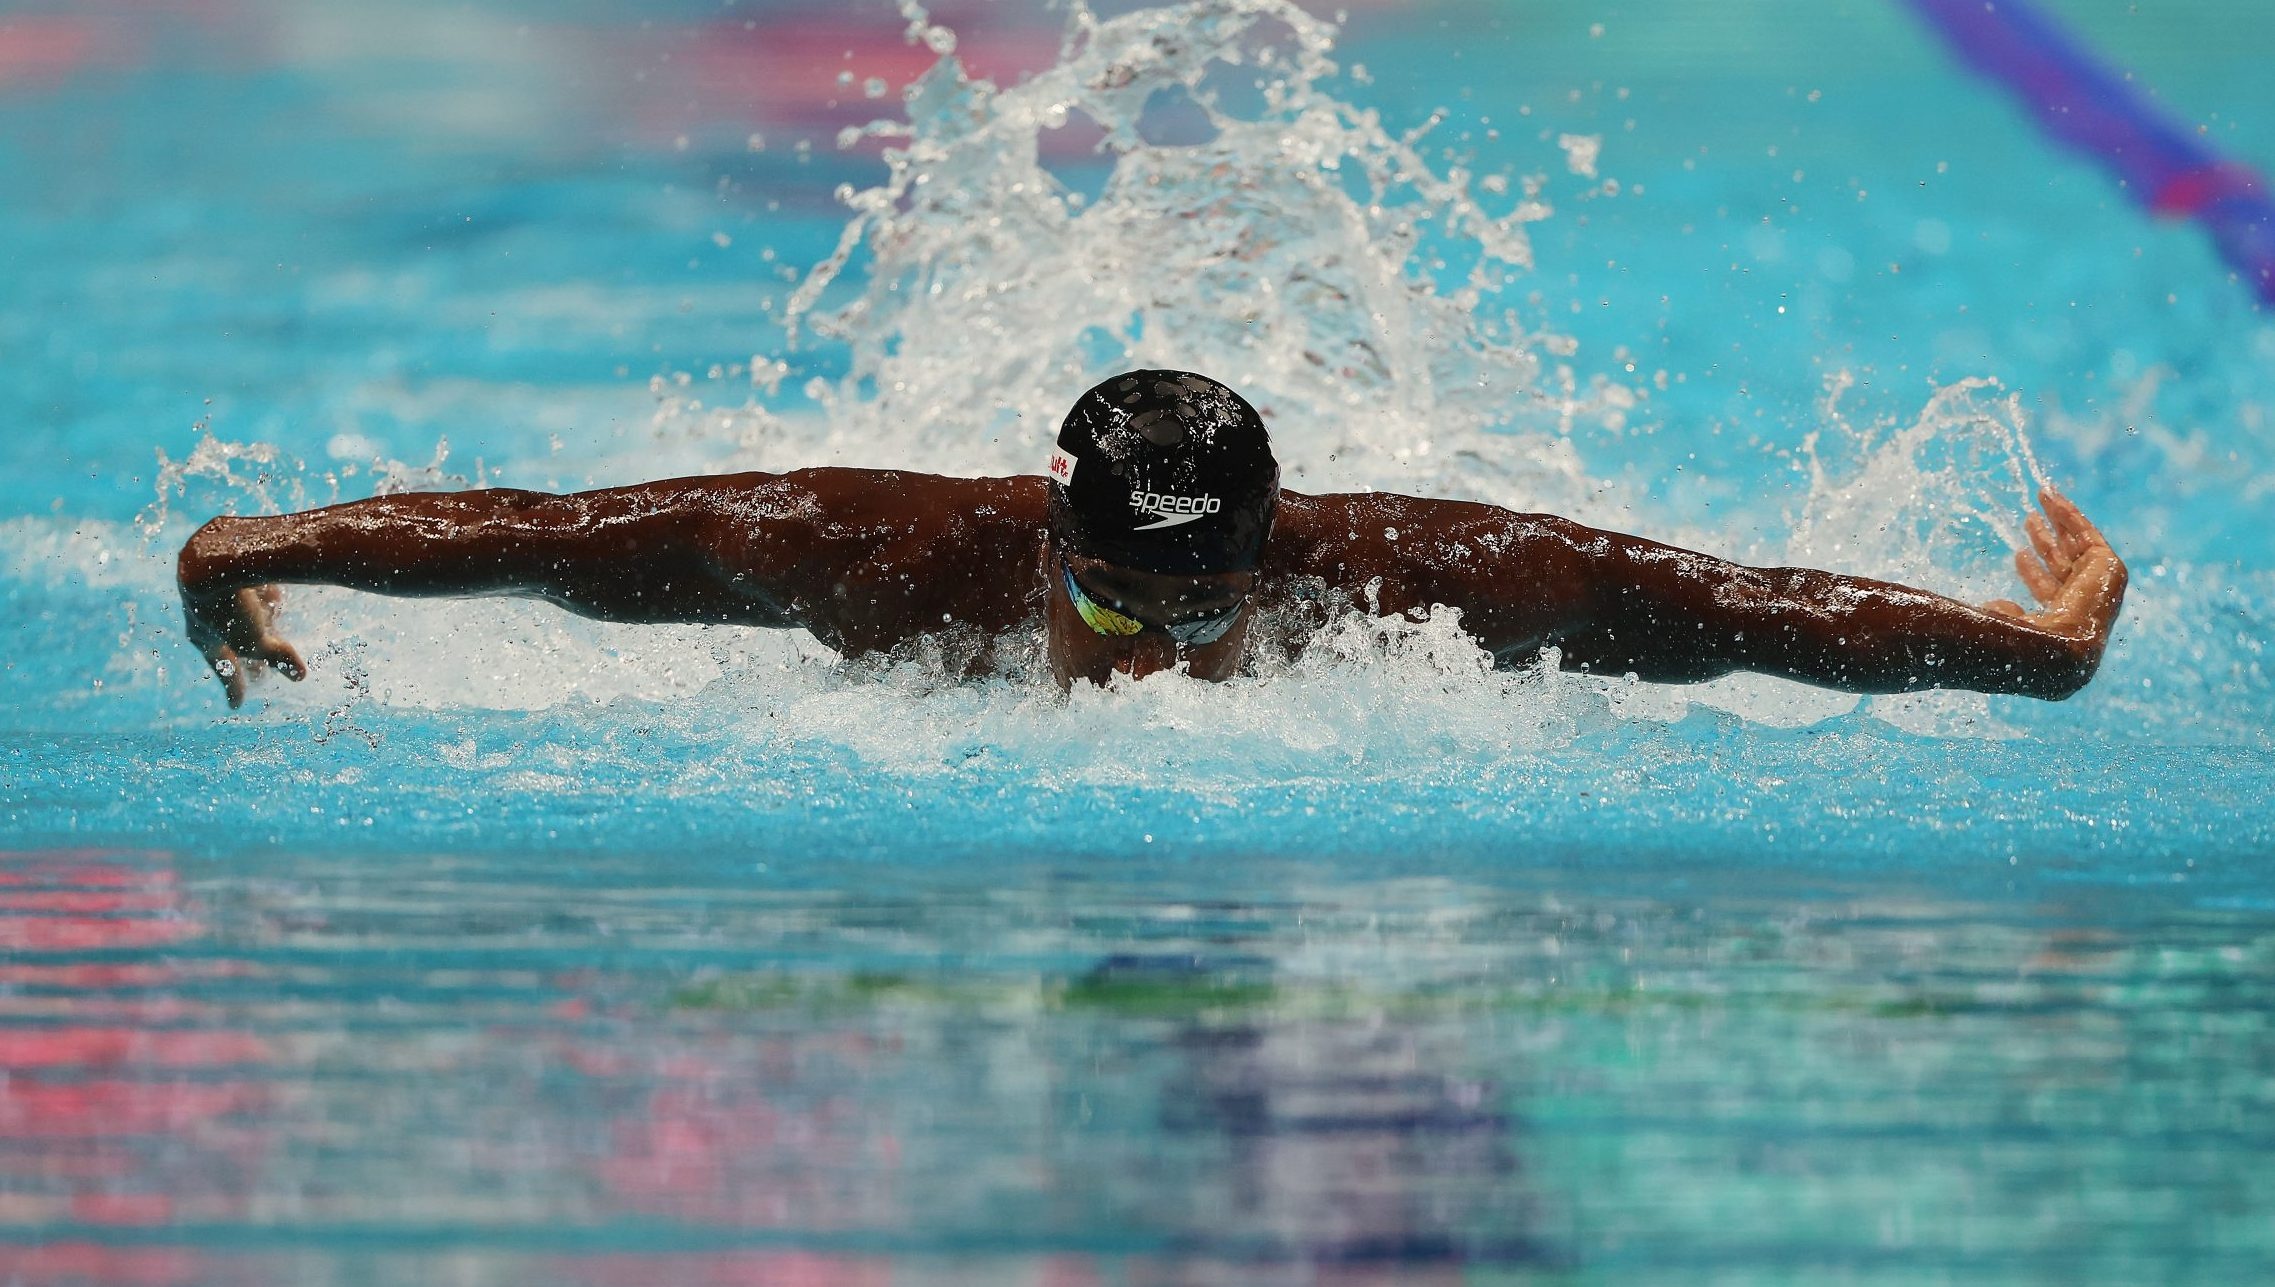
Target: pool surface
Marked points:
515	948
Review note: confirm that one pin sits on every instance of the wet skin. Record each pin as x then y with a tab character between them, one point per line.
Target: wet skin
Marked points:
1078	652
871	560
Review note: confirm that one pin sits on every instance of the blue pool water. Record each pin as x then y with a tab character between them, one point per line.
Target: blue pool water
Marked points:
511	948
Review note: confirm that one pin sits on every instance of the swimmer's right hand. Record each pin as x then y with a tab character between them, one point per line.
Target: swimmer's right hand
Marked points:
2076	577
234	626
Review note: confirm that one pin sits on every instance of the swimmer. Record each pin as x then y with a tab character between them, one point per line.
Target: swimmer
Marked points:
1159	536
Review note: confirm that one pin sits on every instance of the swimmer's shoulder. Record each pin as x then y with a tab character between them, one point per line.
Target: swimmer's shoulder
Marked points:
1348	536
847	491
881	556
1514	576
843	500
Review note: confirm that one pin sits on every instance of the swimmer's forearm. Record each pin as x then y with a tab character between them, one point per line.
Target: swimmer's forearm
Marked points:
1835	631
627	554
1876	637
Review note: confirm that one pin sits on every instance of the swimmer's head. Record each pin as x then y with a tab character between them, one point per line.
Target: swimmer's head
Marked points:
1164	471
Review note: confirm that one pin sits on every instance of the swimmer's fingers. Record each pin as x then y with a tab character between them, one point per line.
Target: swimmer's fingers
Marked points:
209	635
2006	608
258	641
2078	533
2048	543
2043	584
268	645
2095	591
230	671
238	637
276	651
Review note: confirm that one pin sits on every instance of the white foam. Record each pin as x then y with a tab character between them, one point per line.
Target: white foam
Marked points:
81	552
1292	255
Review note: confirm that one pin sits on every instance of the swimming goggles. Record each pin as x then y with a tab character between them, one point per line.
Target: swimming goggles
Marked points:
1195	632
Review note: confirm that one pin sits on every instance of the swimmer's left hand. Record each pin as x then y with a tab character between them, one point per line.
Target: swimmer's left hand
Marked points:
2069	568
236	630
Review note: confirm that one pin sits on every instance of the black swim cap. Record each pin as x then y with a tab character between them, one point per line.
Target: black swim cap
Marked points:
1164	471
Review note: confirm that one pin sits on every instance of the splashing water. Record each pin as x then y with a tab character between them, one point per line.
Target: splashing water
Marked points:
1362	298
1370	302
1300	252
520	947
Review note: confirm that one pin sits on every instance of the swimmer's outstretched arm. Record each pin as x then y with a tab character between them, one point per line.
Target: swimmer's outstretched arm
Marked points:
1619	605
732	548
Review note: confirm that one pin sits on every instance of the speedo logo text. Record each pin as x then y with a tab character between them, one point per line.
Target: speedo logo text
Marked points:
1169	511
